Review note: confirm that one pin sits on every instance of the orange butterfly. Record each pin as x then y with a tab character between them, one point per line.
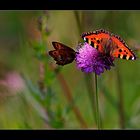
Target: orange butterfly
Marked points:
108	43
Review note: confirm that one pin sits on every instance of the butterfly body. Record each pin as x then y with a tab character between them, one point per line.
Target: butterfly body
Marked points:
62	54
108	43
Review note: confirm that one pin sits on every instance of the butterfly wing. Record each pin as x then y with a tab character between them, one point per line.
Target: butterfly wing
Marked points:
122	51
63	54
95	38
58	46
106	42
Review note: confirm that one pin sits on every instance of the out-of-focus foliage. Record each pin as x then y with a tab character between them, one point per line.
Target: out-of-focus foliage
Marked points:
36	93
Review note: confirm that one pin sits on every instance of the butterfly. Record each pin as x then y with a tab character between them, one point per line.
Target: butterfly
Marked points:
109	43
62	54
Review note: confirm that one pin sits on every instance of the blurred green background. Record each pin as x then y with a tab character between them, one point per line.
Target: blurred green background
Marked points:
35	93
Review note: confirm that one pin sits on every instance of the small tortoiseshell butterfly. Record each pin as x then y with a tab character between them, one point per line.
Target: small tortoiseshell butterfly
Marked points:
62	54
108	43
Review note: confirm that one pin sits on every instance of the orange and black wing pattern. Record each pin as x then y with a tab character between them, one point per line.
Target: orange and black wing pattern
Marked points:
122	51
104	41
95	38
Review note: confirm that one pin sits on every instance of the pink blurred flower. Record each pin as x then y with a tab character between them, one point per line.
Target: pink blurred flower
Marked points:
12	82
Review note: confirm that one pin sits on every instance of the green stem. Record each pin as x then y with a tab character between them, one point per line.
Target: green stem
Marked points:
77	17
97	104
91	94
121	100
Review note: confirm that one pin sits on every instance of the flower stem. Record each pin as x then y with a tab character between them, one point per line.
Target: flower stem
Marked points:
41	78
90	89
97	104
121	100
77	17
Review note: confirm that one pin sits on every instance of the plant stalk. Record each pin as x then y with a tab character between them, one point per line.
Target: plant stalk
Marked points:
97	104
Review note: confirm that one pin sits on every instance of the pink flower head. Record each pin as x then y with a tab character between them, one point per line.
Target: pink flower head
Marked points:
89	59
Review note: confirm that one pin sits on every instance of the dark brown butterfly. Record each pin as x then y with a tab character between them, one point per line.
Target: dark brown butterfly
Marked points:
62	54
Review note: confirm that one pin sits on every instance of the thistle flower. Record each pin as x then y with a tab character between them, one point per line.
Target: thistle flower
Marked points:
89	59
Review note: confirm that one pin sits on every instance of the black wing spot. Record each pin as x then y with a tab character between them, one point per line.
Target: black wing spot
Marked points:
124	56
120	50
118	55
92	44
130	58
98	41
87	40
